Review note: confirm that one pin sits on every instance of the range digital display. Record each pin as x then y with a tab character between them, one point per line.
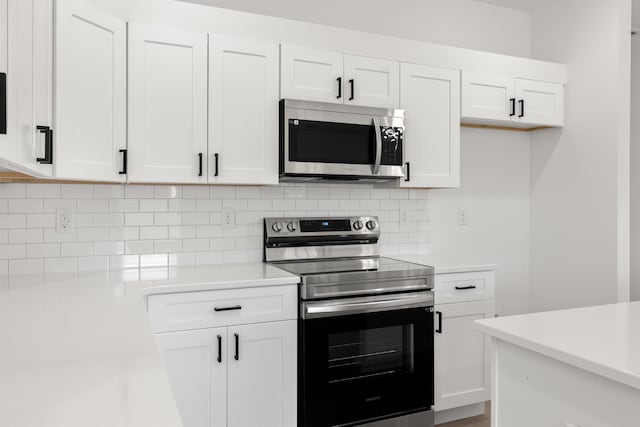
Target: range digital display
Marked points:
316	225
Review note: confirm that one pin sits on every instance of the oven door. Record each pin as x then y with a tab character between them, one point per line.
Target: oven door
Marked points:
350	143
366	364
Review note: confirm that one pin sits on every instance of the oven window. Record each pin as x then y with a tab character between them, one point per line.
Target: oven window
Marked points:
325	142
370	353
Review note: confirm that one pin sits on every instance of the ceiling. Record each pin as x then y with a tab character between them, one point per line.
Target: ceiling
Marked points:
525	5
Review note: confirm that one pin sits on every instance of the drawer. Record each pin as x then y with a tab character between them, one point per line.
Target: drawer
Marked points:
461	287
210	309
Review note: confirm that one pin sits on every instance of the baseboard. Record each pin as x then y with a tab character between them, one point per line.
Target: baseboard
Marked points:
454	414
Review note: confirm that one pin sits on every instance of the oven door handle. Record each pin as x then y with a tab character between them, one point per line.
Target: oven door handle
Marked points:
333	308
375	122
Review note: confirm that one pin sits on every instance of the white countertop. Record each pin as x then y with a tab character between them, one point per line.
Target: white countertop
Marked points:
77	350
445	265
604	340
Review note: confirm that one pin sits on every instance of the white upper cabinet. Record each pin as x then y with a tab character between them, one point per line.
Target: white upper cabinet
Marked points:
262	375
167	105
243	111
317	75
311	74
431	99
26	135
487	97
371	82
510	101
90	87
540	102
196	362
7	144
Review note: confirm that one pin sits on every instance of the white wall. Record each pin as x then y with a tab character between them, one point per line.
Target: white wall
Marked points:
463	23
495	192
580	174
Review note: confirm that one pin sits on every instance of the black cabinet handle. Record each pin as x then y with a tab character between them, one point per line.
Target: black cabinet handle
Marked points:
352	97
219	349
439	314
513	107
3	103
199	164
215	157
48	145
237	355
235	307
408	177
125	161
521	108
339	79
462	288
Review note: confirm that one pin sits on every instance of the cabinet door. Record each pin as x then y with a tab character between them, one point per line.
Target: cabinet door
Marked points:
167	105
311	75
487	97
371	82
198	377
91	88
431	99
540	103
243	142
262	378
461	355
7	94
33	19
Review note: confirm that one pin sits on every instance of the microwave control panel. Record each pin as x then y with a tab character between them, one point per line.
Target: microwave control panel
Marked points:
392	138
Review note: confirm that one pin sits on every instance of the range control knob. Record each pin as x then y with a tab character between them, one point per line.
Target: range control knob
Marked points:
277	227
371	225
357	225
292	226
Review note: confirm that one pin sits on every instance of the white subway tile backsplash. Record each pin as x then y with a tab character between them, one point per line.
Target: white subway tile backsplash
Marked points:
25	205
76	191
27	235
26	266
43	191
127	226
155	232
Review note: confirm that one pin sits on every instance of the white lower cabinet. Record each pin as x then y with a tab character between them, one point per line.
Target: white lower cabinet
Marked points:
198	378
238	375
462	356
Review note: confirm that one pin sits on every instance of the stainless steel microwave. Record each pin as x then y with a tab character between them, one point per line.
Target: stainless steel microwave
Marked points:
323	141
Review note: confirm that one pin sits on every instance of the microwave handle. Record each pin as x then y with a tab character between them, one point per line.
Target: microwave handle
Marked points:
378	131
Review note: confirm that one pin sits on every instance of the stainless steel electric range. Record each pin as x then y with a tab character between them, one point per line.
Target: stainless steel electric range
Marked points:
365	334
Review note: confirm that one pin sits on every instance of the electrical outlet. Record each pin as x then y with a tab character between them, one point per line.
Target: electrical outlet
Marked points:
463	216
64	221
228	217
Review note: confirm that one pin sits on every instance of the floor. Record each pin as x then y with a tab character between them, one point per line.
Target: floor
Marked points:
480	421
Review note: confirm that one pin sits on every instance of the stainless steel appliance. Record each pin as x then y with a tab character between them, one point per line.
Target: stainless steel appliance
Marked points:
365	335
321	141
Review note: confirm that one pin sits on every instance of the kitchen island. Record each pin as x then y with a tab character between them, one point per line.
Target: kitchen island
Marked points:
568	368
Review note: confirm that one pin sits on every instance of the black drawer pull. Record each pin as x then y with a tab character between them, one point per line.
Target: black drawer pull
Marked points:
216	156
3	103
521	108
462	288
124	162
219	349
408	177
48	145
439	314
199	164
352	83
513	107
237	355
235	307
339	79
